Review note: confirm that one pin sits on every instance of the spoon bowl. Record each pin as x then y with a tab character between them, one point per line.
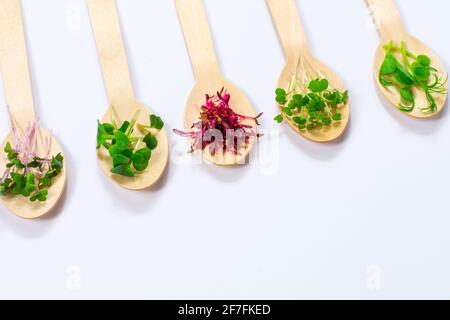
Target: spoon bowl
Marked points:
393	96
22	206
157	162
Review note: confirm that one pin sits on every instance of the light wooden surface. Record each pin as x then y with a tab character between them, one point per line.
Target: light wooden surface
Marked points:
17	83
113	61
14	63
209	79
390	27
293	39
289	27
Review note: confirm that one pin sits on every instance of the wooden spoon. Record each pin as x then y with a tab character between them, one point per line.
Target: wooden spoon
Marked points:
390	27
300	63
17	83
111	51
209	79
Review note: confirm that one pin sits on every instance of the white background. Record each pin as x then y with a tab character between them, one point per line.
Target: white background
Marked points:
367	217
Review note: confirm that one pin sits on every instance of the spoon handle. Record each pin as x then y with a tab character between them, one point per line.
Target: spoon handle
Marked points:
289	27
197	35
14	64
111	52
387	18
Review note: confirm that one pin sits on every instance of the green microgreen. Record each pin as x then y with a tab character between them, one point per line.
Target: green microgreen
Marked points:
27	174
312	106
29	171
130	154
408	73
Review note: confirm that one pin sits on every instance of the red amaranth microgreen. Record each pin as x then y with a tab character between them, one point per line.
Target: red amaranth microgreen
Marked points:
219	127
27	173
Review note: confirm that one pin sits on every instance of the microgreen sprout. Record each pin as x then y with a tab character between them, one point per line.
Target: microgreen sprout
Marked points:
219	127
408	73
28	174
310	103
130	154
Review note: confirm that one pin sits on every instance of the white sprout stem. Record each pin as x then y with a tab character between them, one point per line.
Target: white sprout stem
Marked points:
137	145
26	146
5	175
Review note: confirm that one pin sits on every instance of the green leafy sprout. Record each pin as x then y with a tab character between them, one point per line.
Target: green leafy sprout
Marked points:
310	107
411	74
130	153
26	174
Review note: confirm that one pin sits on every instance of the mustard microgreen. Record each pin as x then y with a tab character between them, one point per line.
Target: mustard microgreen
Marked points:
130	154
407	72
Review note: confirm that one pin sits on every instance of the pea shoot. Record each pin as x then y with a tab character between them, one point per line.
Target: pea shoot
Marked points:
130	154
410	74
310	107
27	174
